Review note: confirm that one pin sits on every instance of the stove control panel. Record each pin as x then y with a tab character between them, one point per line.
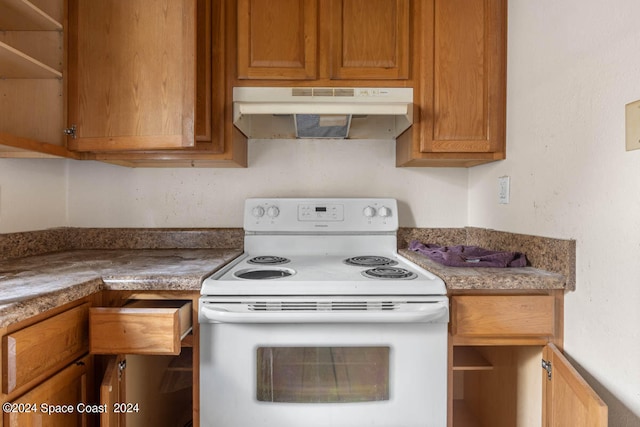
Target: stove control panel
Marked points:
324	212
321	215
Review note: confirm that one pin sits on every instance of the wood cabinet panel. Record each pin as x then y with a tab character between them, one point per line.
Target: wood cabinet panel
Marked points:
502	316
113	390
468	97
45	346
323	41
369	39
567	398
68	387
203	71
131	74
460	117
277	39
459	63
142	327
219	143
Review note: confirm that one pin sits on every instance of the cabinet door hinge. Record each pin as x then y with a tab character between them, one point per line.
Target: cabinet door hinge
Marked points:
547	367
121	367
70	131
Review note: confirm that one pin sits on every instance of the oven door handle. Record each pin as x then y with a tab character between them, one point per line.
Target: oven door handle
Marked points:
421	313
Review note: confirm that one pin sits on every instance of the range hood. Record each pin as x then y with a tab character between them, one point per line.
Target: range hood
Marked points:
336	113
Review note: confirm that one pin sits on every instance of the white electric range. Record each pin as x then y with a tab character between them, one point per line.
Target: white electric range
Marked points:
320	319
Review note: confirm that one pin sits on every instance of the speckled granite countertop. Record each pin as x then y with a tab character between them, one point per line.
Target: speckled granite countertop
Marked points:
551	262
34	284
469	278
41	270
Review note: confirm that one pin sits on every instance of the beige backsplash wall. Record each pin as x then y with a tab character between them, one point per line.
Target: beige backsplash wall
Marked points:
33	194
102	195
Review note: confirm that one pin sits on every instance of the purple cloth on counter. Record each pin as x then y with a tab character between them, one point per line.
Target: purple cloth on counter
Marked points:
469	256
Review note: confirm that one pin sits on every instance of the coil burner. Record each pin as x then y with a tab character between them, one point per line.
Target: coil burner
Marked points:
268	260
370	261
389	273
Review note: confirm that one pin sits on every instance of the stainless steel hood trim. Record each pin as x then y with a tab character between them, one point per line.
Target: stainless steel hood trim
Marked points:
266	113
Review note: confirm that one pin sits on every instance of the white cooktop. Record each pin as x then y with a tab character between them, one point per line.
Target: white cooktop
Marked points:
317	235
326	275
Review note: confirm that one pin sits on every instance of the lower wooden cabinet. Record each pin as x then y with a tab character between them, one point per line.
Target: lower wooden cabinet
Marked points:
146	344
47	373
61	401
506	370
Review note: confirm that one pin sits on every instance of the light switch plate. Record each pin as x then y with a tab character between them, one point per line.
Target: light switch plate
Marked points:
632	124
503	190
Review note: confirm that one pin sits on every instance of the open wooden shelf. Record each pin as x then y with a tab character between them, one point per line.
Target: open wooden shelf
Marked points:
469	359
22	15
16	65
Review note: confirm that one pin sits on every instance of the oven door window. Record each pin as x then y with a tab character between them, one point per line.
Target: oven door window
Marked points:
322	374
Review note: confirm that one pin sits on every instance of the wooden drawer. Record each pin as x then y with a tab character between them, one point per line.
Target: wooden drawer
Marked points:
140	327
44	347
502	316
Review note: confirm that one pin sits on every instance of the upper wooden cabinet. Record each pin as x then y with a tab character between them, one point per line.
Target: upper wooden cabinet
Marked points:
217	142
144	82
31	78
277	39
460	114
369	39
131	74
323	41
149	82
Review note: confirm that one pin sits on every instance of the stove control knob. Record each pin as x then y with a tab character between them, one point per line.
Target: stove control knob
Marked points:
369	212
257	212
384	212
273	211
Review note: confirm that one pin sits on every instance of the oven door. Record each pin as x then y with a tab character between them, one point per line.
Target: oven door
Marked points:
324	367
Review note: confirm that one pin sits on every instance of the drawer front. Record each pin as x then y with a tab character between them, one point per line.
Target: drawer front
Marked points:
141	327
502	316
44	346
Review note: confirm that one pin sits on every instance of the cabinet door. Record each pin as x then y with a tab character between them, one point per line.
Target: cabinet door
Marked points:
369	39
567	398
277	39
460	101
64	391
112	391
131	74
469	77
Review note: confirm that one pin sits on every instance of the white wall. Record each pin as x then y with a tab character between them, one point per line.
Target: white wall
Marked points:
572	67
102	195
32	194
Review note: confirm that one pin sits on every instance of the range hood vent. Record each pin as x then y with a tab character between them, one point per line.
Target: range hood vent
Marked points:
335	113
